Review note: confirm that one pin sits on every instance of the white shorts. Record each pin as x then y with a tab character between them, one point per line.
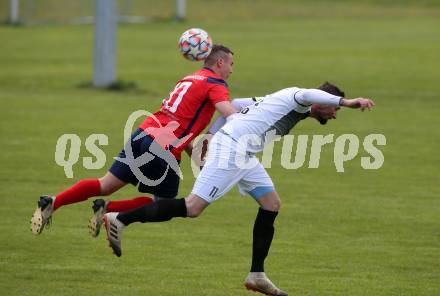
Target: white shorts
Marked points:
226	166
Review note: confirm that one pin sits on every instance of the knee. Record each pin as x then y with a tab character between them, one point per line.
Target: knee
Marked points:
270	202
106	186
274	205
105	192
110	183
104	189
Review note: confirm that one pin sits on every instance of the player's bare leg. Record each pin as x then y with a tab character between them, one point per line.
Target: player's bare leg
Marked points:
262	238
110	183
78	192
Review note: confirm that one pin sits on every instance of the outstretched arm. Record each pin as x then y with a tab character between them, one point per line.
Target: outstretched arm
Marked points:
307	97
315	96
225	108
357	103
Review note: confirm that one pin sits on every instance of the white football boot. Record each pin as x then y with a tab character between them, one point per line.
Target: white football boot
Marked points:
259	282
114	229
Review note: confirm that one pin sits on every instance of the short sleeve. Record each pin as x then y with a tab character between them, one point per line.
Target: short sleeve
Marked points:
218	93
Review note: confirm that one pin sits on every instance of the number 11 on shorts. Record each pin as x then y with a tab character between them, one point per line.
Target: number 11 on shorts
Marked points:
213	191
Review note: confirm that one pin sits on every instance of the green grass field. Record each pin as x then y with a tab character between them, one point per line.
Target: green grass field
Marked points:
362	232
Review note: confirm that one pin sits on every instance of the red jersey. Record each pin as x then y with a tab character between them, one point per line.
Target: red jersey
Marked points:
187	111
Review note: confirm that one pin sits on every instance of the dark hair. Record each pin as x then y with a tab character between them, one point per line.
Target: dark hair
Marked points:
217	51
331	89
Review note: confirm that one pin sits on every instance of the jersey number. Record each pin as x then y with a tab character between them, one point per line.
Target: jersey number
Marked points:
172	102
244	110
258	101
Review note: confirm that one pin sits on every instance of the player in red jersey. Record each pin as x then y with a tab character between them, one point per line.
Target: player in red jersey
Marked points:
151	158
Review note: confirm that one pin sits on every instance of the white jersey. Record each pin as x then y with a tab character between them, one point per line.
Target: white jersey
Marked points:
229	163
274	116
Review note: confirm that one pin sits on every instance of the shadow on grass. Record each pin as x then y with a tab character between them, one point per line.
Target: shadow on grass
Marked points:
119	86
10	24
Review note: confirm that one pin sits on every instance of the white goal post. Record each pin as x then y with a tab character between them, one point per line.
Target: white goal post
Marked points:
13	12
106	19
180	9
104	58
106	22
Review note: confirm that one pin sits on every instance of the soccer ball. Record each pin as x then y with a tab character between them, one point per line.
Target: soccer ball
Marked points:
195	44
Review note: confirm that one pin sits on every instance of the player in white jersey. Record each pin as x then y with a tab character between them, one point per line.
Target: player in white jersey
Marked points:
231	161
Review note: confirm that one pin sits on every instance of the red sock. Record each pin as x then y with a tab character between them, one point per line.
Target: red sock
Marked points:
79	192
128	204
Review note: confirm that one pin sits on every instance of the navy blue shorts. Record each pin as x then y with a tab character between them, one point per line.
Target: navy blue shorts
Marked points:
153	170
